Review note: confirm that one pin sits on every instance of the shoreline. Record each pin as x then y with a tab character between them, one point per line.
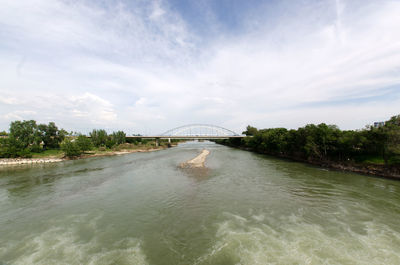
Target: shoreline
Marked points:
381	171
4	162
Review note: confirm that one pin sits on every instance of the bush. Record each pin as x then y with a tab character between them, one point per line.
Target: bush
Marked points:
102	148
99	137
133	140
119	137
84	143
35	148
110	142
70	149
10	147
8	152
25	153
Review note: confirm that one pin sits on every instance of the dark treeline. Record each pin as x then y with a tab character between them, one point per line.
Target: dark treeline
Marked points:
28	137
98	139
327	143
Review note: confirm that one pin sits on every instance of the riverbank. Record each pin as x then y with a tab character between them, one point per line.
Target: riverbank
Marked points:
196	162
392	172
55	159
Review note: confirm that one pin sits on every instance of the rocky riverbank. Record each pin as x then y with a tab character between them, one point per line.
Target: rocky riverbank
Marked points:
31	161
376	170
22	161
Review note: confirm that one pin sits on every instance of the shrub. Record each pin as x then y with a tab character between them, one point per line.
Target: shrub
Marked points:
10	147
102	148
99	137
25	153
110	142
70	149
119	137
84	143
35	148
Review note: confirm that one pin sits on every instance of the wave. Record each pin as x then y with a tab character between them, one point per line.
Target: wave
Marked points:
253	240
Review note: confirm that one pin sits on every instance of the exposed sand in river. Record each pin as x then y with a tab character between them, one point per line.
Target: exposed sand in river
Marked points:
196	162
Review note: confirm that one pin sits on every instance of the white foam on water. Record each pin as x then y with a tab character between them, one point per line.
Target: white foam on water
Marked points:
63	245
243	241
259	217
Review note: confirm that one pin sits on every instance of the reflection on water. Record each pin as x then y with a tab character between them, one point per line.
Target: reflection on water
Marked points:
242	208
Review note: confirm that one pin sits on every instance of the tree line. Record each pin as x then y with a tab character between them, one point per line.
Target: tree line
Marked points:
27	137
324	142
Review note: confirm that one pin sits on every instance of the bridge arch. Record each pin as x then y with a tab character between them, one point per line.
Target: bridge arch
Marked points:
199	130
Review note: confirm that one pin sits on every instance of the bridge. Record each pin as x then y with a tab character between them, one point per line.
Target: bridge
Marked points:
193	132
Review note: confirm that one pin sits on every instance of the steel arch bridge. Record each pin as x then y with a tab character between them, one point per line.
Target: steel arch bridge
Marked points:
199	130
193	132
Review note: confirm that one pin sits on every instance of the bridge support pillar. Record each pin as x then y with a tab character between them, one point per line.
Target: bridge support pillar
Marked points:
157	142
169	140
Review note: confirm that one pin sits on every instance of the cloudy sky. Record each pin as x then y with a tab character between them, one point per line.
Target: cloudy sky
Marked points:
147	66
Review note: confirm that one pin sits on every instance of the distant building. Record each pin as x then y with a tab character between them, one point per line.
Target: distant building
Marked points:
378	124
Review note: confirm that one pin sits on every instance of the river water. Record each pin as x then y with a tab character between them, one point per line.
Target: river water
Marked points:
243	208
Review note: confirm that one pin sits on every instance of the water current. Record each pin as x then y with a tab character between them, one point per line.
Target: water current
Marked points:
242	208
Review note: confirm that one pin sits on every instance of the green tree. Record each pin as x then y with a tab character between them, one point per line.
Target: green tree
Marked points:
25	133
250	130
118	137
71	149
392	143
51	135
99	137
84	143
327	142
11	148
376	142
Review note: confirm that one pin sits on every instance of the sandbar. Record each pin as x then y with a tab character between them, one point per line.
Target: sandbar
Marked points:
196	162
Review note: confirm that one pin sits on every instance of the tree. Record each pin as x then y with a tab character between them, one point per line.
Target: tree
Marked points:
250	130
11	148
84	143
25	133
119	137
393	142
50	135
110	143
392	131
99	137
71	149
376	142
3	133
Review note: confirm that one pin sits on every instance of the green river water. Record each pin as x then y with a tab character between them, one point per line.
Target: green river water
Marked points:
243	208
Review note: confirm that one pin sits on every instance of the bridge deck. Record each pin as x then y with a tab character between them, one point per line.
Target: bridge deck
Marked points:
186	137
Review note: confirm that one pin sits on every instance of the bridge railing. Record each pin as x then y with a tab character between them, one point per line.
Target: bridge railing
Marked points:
199	130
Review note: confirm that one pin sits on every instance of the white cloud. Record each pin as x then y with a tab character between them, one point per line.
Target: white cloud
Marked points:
140	68
18	115
8	100
93	107
157	11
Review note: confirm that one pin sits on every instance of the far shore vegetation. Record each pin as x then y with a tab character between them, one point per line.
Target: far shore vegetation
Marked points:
374	145
27	139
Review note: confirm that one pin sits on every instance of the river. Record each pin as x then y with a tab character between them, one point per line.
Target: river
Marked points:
243	208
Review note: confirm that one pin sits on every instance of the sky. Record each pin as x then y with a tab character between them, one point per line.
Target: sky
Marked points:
146	66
